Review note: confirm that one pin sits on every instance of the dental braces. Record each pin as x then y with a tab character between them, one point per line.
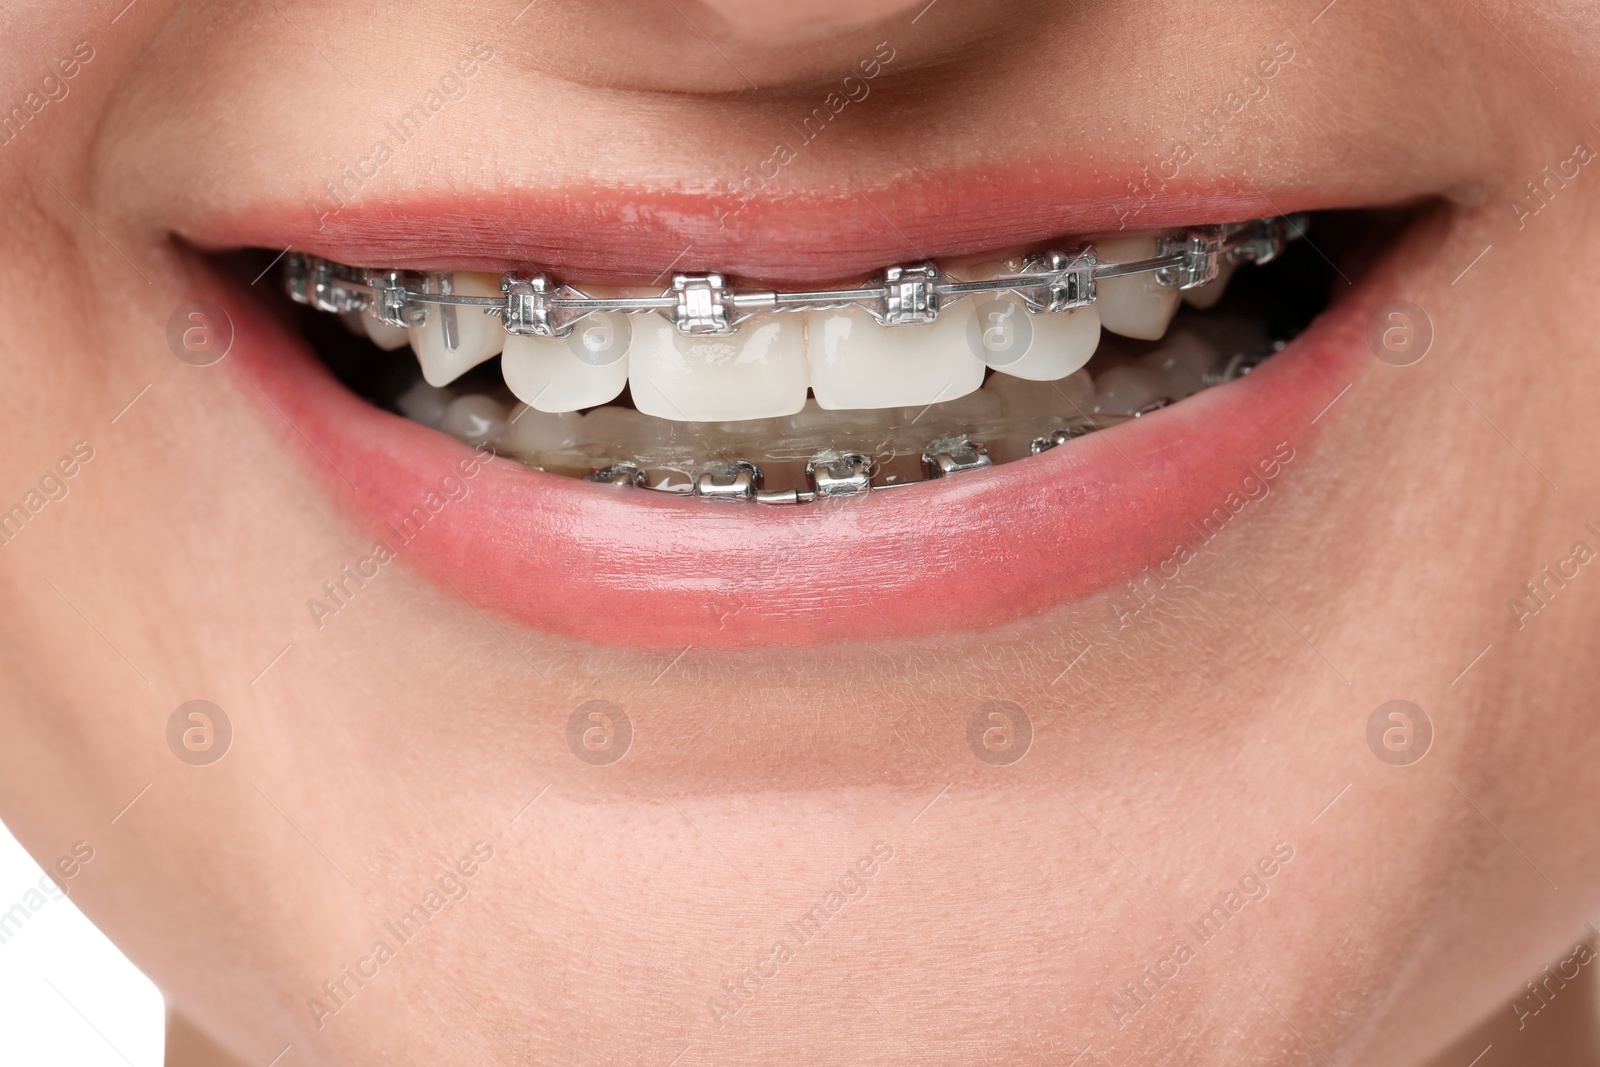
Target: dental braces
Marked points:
702	305
830	475
833	474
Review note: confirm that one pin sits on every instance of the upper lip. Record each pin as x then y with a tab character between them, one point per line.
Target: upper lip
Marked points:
631	567
788	240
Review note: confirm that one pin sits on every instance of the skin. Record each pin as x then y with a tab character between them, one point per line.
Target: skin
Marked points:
1224	718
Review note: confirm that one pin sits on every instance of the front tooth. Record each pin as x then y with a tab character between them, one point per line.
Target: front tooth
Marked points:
585	369
1134	305
757	372
477	336
1207	295
1039	347
856	363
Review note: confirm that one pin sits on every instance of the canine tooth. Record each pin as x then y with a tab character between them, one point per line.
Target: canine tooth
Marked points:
1124	390
383	334
1208	294
1040	348
474	418
1182	361
477	336
1133	305
352	321
855	363
1063	341
425	403
529	430
585	369
758	372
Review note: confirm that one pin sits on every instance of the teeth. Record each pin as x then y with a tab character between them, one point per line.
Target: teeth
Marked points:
1208	294
384	335
978	408
477	336
425	403
1022	401
530	430
757	373
1040	348
475	419
585	369
812	429
380	333
855	363
628	433
1182	361
843	357
1124	390
1134	305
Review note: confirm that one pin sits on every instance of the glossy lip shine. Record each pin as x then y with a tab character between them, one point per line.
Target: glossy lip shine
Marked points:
787	240
640	569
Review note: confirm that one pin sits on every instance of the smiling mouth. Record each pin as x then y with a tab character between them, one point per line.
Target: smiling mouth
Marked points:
715	390
1111	438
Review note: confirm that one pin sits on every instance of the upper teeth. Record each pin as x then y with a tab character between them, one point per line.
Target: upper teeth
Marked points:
1135	305
764	370
695	368
855	364
758	373
456	339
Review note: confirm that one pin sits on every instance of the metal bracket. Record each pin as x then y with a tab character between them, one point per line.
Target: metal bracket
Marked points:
624	473
391	299
734	480
530	309
704	305
909	297
327	291
843	474
1067	280
954	455
1200	258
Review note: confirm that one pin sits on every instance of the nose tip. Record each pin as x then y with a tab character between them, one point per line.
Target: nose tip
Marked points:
774	20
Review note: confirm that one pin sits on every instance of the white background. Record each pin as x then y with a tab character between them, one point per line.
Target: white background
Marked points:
68	998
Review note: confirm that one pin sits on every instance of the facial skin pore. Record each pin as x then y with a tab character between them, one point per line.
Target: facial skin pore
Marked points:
1185	735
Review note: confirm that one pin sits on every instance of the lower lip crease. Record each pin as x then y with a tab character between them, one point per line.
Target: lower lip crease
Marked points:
639	569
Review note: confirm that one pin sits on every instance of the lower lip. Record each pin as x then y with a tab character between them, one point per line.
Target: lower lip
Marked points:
632	567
